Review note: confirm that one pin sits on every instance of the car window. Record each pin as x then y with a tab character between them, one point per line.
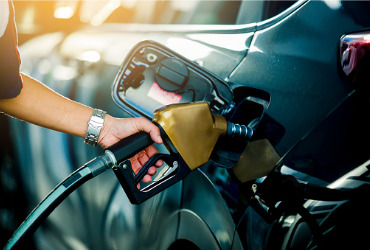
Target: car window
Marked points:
273	7
37	17
184	12
168	12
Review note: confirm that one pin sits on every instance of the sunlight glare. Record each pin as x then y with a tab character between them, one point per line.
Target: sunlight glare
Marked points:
64	12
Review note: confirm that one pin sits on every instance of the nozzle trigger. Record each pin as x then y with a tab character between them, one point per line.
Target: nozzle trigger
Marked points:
165	157
126	177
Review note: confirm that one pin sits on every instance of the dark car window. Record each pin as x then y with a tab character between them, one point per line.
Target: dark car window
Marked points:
178	12
257	11
37	17
197	12
272	8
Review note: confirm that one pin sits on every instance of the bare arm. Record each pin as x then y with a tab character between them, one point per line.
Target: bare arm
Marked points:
42	106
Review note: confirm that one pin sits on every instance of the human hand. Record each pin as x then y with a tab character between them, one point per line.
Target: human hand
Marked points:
115	129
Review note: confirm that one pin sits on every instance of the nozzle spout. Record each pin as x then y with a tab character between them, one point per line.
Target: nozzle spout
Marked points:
237	130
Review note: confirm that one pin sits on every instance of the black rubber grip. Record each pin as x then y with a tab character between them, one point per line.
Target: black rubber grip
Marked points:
130	146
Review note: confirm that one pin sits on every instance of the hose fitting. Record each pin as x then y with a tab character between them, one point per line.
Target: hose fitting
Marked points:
237	130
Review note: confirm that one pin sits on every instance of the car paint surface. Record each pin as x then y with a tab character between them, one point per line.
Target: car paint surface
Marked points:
295	61
292	56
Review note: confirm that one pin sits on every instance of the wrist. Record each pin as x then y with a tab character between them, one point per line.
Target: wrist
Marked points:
94	127
107	125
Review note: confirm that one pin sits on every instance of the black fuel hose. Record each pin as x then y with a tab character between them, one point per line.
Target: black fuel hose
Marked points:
56	196
119	152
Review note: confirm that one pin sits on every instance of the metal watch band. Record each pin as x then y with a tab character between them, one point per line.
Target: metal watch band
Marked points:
94	126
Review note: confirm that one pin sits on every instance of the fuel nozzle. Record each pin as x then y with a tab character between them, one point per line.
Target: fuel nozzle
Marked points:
190	132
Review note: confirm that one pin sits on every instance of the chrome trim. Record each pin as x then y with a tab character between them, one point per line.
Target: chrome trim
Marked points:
275	19
112	159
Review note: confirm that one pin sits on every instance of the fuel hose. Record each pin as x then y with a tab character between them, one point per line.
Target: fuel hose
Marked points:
119	152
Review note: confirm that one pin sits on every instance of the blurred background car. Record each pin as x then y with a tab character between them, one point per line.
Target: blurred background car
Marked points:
317	119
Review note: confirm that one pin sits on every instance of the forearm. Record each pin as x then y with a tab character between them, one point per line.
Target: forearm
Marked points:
42	106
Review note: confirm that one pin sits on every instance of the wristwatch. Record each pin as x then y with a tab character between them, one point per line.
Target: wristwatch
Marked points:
94	126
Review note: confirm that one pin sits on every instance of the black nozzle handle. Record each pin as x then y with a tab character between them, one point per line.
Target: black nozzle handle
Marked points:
126	177
131	145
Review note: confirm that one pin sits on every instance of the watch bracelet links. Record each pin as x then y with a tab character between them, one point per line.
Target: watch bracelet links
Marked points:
94	127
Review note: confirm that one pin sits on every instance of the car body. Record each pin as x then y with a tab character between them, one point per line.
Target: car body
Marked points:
292	55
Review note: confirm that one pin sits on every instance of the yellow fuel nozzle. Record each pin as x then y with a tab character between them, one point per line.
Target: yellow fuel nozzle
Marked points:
192	129
190	132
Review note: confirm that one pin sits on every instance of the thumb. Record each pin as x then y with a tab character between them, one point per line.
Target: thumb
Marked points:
143	124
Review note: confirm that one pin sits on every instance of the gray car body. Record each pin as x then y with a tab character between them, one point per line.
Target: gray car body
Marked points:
293	56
